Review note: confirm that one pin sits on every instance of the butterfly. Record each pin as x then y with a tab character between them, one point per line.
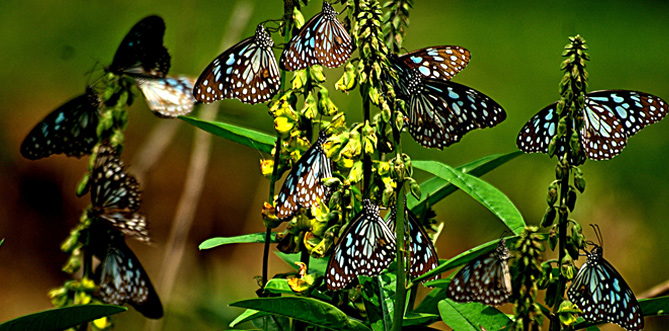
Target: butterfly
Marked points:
116	195
246	71
367	247
304	184
70	129
440	112
142	52
168	97
602	294
322	40
120	275
438	62
486	279
422	255
609	119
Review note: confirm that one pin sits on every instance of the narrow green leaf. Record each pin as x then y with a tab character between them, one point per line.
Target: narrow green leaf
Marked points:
243	239
472	316
2	241
61	318
247	137
435	189
486	194
247	316
316	265
429	304
304	309
413	318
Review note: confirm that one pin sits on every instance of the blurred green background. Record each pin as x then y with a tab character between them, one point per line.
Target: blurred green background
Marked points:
50	50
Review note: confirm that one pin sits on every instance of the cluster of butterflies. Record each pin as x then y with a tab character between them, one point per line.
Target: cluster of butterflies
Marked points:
116	197
71	128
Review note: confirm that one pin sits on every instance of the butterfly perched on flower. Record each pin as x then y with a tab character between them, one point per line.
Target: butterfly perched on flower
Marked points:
70	129
609	118
142	52
439	112
120	275
438	62
486	279
246	71
322	40
367	247
304	184
602	294
116	195
169	96
422	255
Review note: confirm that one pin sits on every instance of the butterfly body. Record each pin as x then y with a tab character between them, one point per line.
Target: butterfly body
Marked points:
367	247
440	112
486	279
304	184
116	196
422	254
120	275
247	71
610	117
321	41
603	295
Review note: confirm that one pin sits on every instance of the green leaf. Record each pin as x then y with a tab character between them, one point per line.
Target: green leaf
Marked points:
61	318
251	138
308	310
472	316
379	297
435	189
413	318
486	194
243	239
247	316
649	307
278	286
2	241
429	304
316	265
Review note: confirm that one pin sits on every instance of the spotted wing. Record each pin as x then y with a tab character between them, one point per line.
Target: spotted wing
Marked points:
303	185
142	52
439	62
168	97
247	71
603	295
70	129
486	279
423	255
322	40
536	134
122	279
367	247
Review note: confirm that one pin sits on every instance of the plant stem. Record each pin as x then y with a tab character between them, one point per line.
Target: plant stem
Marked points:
400	290
562	238
366	160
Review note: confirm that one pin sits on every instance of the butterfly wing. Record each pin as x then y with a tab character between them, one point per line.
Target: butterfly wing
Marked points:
322	40
536	134
367	247
247	71
70	129
486	279
122	279
423	256
130	224
304	185
603	295
439	62
142	52
168	97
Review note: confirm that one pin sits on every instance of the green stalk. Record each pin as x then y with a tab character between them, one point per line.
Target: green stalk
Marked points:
562	237
366	159
400	288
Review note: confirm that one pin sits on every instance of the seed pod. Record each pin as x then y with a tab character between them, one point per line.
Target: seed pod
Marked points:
549	217
571	199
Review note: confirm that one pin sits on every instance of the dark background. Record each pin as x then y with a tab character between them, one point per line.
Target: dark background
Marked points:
50	50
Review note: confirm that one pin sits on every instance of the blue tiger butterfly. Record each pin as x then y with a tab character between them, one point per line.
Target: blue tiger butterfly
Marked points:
304	184
609	118
246	71
437	62
367	247
439	112
486	279
602	294
322	40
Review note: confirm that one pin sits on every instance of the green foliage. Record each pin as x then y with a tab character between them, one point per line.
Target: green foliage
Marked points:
472	316
250	138
243	239
61	318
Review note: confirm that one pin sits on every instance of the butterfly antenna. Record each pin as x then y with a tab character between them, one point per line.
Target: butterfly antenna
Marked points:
598	233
